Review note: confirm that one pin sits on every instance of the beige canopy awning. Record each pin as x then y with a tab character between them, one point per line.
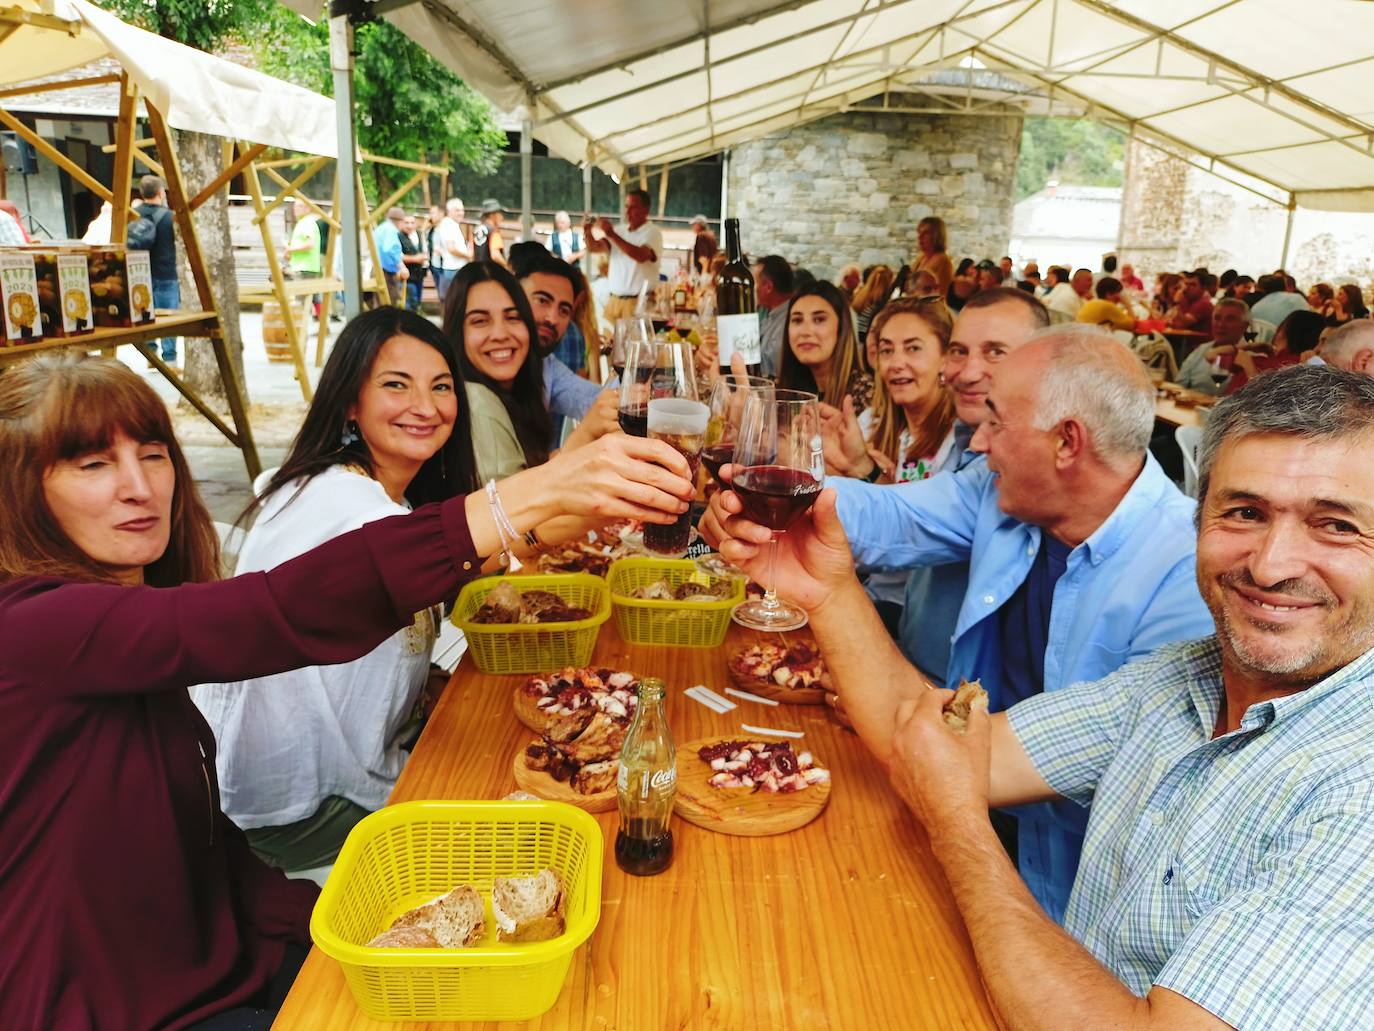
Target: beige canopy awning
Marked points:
1271	94
193	90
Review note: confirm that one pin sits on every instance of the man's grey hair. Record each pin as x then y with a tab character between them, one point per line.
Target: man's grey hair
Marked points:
1310	402
1342	343
1093	379
1234	302
454	204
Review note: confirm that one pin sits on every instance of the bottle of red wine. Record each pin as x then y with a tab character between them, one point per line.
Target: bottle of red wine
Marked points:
737	320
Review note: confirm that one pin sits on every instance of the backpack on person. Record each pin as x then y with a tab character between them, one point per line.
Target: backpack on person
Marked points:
142	233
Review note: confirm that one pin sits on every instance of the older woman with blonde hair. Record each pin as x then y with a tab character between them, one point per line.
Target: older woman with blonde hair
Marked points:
909	432
136	901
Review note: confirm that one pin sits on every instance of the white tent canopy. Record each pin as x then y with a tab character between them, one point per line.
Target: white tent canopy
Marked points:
193	90
1271	94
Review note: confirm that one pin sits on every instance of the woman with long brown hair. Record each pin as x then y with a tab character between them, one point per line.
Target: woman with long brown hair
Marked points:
132	899
820	354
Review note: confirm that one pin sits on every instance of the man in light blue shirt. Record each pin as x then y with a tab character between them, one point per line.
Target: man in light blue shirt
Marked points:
1080	549
1228	871
388	239
991	324
1275	303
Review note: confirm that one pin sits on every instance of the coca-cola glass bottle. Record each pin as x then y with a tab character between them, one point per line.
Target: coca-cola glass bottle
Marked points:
645	787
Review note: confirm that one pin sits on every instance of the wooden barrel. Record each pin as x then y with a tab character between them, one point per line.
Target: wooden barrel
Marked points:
275	339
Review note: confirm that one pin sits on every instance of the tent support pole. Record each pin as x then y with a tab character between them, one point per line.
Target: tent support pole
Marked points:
586	214
724	186
1287	233
527	172
341	61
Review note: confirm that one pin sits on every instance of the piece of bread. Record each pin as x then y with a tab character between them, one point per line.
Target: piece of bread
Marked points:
528	909
404	938
455	919
970	696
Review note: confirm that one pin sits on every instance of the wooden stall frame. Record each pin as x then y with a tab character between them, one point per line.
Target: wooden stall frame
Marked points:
204	323
293	293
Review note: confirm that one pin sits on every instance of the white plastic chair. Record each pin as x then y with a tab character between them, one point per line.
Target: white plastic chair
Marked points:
1264	331
1188	438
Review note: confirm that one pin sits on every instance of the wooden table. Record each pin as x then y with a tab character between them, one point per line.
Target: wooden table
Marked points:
847	922
1167	409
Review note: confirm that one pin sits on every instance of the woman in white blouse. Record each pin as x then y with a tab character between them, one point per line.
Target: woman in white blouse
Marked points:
303	755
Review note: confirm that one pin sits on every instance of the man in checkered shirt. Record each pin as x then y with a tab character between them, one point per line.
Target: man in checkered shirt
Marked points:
1227	876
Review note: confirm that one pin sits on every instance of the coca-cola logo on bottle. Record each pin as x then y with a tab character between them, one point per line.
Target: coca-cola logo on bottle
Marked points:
663	778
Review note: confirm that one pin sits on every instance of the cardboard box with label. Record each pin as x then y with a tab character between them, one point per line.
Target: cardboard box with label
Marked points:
139	265
19	297
74	284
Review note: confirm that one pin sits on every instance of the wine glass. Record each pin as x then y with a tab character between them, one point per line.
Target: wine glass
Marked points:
728	396
778	468
628	330
653	369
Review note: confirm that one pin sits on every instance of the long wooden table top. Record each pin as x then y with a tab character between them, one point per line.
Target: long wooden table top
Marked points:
847	922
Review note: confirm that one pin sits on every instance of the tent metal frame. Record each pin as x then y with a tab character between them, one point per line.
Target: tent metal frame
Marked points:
844	82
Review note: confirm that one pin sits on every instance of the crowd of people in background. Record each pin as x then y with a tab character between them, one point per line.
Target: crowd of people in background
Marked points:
987	432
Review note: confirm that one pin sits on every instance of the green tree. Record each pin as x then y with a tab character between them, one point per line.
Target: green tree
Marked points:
409	106
1073	151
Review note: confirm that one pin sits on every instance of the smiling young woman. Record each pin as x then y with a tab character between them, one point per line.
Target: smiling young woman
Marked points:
138	903
820	353
489	324
305	754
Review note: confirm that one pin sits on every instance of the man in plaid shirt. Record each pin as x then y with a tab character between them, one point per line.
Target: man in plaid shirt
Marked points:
1227	877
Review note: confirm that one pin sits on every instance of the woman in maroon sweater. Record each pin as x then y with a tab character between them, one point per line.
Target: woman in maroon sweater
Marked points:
127	899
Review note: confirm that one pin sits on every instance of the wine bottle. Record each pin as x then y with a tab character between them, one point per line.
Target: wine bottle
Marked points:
737	320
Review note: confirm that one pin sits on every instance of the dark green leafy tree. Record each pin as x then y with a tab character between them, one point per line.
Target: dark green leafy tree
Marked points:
409	105
1078	152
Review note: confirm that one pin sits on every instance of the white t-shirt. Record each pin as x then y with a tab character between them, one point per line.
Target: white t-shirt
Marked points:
288	741
627	276
450	235
1064	298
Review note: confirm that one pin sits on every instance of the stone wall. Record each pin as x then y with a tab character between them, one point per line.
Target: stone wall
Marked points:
851	187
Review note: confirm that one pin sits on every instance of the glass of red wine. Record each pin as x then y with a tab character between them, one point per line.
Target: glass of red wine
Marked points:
628	331
728	395
778	470
653	369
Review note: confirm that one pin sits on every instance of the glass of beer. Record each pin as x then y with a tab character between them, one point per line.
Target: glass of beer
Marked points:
680	423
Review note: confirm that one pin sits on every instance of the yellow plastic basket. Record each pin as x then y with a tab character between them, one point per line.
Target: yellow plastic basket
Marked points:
534	647
405	855
691	624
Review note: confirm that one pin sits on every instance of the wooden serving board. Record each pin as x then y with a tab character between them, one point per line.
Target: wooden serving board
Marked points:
787	695
527	712
739	811
537	782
